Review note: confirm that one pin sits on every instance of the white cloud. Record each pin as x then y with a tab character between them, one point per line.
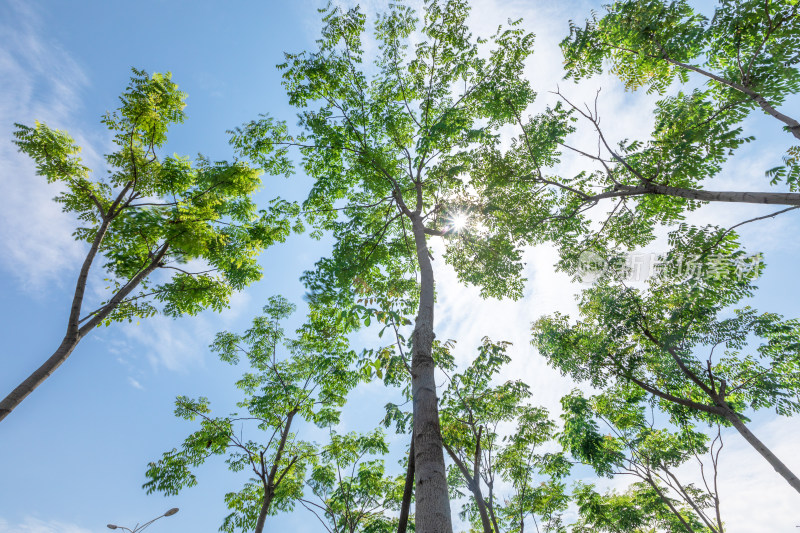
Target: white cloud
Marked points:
163	344
38	81
176	344
34	525
134	383
754	496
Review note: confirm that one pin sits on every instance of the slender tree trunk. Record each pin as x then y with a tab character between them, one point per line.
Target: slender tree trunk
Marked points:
432	499
39	375
691	501
408	490
485	522
490	507
262	515
473	484
669	504
743	197
71	338
270	484
765	452
721	408
75	334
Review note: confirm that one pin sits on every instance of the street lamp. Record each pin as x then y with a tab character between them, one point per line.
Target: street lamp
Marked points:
138	528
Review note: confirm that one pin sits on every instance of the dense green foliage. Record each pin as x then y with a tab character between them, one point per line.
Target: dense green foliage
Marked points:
636	446
407	146
176	238
663	339
746	54
160	212
308	384
385	140
512	478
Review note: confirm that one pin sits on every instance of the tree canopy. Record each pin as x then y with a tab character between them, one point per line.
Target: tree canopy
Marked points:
418	143
176	237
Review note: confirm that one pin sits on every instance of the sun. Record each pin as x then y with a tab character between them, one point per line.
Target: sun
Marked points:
459	221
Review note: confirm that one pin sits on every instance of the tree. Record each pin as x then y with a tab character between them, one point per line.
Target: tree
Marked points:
747	56
351	485
635	446
666	339
309	385
747	52
390	363
639	509
488	457
496	442
197	225
387	147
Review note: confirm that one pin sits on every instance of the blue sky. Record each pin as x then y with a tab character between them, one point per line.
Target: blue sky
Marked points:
73	455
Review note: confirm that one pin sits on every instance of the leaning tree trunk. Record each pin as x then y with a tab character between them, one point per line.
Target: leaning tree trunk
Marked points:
761	448
39	375
473	484
432	499
74	333
72	336
743	197
408	490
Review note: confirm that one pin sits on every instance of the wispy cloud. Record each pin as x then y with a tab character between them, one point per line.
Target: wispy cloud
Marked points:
178	345
34	525
38	81
134	383
754	497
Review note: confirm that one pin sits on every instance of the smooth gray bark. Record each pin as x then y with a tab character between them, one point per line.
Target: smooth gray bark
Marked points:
22	390
743	197
262	515
762	449
432	498
473	484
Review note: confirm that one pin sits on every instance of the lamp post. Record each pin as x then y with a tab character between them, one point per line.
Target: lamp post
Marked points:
138	528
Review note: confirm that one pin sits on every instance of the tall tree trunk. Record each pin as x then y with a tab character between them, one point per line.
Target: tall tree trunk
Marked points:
408	490
490	506
761	448
476	491
432	499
